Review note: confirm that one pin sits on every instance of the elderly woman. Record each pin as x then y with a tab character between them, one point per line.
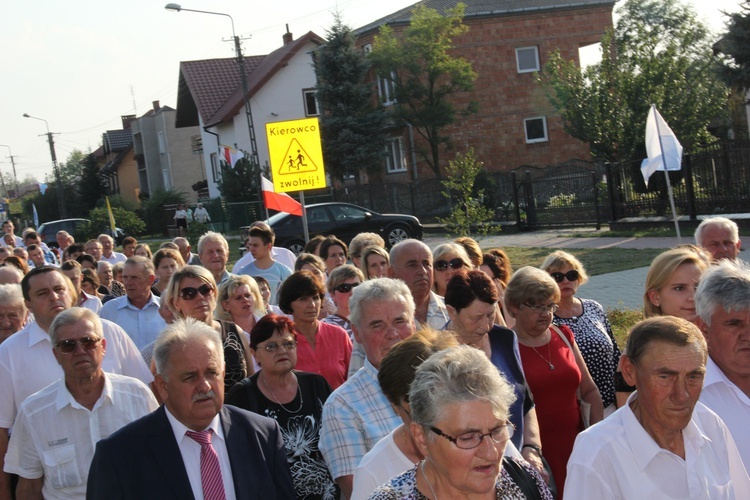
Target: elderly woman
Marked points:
671	283
447	260
166	262
589	323
553	365
293	398
375	262
459	419
322	348
191	293
13	311
340	284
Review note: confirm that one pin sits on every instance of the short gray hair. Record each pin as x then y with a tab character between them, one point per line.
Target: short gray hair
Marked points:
212	236
102	264
11	296
461	374
106	236
179	335
379	290
722	222
725	284
71	317
400	247
148	266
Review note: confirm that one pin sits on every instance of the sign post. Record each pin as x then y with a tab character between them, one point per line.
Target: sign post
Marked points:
296	159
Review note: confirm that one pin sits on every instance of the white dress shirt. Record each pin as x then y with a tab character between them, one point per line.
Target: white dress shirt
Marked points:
191	455
731	404
279	254
143	325
114	258
27	365
55	437
617	458
90	302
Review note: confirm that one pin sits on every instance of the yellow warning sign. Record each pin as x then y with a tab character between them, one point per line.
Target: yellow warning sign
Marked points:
296	155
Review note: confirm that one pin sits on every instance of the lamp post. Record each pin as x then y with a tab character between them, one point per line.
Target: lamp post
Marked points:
13	163
58	180
245	92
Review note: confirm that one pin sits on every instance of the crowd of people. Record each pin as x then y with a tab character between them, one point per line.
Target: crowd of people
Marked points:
355	371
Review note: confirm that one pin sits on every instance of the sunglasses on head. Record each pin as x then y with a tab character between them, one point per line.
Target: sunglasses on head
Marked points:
571	275
454	264
190	292
346	287
69	346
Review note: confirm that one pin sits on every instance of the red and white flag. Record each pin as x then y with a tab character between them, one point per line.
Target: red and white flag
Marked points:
231	155
281	202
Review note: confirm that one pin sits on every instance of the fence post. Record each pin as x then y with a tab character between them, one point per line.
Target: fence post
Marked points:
689	188
528	192
411	196
596	201
610	191
516	203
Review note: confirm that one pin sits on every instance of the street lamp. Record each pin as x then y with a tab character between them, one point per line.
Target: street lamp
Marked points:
13	163
58	180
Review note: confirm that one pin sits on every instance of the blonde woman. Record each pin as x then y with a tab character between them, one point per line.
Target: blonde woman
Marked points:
671	283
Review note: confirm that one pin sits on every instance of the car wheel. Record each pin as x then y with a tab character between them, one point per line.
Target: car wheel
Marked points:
397	234
297	247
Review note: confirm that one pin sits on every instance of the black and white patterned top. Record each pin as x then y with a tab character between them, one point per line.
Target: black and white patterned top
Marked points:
595	340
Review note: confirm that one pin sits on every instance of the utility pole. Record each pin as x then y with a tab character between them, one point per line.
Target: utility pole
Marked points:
58	179
13	164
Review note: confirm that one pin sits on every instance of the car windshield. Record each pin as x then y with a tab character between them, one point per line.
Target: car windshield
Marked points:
274	219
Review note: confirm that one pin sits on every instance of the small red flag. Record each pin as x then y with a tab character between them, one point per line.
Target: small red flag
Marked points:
281	202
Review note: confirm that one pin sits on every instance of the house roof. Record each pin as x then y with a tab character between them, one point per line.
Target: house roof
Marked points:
117	140
482	8
111	166
213	87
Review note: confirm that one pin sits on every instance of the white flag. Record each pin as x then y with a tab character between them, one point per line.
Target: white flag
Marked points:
231	155
657	128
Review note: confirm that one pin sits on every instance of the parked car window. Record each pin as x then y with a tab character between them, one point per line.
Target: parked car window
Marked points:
318	214
345	213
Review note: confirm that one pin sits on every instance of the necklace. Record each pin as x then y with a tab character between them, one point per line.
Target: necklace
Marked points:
547	360
432	490
299	391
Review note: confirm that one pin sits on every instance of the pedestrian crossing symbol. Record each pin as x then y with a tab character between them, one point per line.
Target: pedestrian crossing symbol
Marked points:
296	155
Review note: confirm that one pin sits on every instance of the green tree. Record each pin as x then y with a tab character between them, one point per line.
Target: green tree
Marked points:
239	183
658	53
99	221
352	128
71	169
425	76
91	187
734	49
460	185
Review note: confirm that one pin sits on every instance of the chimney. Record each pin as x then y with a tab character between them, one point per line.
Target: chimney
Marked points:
287	36
126	119
155	104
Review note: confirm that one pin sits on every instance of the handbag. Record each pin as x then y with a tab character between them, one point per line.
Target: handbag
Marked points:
523	479
584	407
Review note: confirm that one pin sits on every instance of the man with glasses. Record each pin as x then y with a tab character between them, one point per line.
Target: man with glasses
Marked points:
26	361
57	428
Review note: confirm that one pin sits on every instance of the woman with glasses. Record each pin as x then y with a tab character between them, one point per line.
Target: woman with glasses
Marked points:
293	398
322	348
555	371
191	293
459	419
589	323
342	281
447	259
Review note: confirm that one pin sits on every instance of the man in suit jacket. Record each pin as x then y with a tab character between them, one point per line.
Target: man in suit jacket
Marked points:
155	458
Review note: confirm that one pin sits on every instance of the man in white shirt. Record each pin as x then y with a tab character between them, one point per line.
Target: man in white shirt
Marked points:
108	253
260	243
137	312
663	443
26	361
74	272
8	229
722	302
720	237
57	428
213	251
94	248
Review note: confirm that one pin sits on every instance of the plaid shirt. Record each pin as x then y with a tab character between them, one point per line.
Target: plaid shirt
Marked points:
355	417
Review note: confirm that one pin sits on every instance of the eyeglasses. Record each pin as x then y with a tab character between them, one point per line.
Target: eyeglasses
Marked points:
346	287
470	440
455	264
69	346
570	275
288	345
550	309
190	292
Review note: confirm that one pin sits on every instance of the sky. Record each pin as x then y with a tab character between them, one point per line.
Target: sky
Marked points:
81	64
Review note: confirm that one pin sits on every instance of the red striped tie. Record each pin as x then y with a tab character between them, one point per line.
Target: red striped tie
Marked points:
213	486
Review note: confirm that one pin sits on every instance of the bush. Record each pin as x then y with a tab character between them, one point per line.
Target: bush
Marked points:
99	222
154	215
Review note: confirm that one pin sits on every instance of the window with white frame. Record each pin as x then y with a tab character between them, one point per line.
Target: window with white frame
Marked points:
536	129
527	59
312	108
162	143
215	174
387	89
394	158
367	48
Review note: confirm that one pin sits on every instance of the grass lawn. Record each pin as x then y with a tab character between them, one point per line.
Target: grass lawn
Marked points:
595	260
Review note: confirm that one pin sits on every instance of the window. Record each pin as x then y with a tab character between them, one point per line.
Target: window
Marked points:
311	102
162	144
215	174
367	48
536	129
527	59
345	213
387	89
394	158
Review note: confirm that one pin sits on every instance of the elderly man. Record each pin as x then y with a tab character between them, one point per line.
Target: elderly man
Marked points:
12	310
411	262
663	443
138	310
720	237
26	361
64	239
280	254
213	250
10	274
8	229
108	253
168	454
357	415
74	271
94	248
57	428
185	249
722	302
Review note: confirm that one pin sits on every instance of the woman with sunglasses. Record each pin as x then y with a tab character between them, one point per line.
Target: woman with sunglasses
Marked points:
342	281
459	419
447	259
293	398
191	293
589	323
322	348
555	371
